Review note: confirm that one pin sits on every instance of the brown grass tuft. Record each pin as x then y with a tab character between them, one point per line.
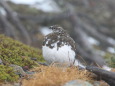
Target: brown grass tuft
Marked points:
113	70
56	76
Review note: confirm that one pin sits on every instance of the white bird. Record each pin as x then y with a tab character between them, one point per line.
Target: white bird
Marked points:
59	47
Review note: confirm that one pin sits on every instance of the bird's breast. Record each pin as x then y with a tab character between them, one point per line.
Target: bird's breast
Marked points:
63	54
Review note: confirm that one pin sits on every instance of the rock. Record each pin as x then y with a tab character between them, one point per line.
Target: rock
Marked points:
1	63
42	63
18	70
25	68
78	83
35	59
100	83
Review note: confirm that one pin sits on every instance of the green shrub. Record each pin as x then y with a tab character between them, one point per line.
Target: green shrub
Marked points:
14	52
7	73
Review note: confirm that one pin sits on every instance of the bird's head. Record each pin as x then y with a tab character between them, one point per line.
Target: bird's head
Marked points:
57	29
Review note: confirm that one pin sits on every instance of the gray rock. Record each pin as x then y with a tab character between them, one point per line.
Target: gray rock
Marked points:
18	70
100	83
42	63
78	83
35	59
1	63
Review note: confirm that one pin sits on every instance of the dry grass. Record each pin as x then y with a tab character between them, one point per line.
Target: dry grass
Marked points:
56	76
113	70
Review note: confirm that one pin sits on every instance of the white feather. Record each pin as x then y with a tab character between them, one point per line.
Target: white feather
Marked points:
63	54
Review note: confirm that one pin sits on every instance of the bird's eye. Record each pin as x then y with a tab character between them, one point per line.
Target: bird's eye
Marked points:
51	27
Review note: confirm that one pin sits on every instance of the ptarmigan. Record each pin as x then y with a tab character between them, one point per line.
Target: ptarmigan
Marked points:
59	47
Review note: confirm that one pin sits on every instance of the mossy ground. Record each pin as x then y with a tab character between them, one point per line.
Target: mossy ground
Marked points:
7	73
110	59
14	52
